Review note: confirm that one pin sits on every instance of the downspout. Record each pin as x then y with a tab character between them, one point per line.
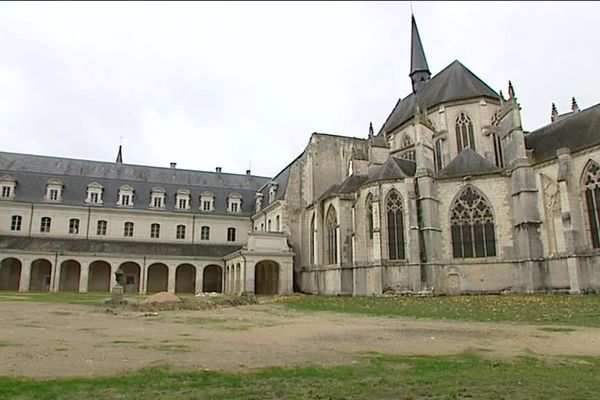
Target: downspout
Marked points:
30	220
87	232
193	227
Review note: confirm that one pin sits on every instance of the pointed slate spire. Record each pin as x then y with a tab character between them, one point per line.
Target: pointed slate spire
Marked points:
554	115
371	133
120	156
574	106
419	70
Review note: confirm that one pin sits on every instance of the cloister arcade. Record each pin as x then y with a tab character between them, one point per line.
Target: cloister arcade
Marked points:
51	274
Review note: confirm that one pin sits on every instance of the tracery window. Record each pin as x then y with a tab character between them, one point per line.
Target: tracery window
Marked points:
591	187
331	230
395	223
472	226
313	233
465	137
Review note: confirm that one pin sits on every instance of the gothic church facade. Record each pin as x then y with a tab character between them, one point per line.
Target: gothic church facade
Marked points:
450	195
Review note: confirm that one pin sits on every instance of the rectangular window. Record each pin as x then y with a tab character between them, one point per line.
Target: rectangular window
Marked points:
54	194
94	198
180	231
231	234
45	225
125	199
73	226
155	231
15	224
6	191
101	229
182	204
205	233
158	202
206	205
128	230
234	207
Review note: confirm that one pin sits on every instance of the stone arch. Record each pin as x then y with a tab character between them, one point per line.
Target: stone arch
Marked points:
70	271
99	276
131	274
10	274
185	279
158	278
41	274
266	277
212	279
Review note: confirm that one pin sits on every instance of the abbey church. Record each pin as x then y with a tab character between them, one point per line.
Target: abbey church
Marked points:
450	195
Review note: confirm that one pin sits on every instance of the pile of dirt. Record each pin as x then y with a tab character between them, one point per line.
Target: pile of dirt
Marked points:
162	298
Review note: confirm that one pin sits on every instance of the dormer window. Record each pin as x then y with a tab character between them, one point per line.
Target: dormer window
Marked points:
182	199
125	196
157	197
94	193
272	191
54	189
234	203
207	201
8	184
259	200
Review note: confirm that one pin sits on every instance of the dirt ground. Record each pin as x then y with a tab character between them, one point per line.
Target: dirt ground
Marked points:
62	340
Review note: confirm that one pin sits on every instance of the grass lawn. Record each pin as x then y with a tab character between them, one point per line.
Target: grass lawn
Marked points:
91	298
581	310
377	377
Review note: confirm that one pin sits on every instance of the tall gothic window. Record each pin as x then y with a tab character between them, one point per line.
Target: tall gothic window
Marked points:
472	226
312	239
498	157
438	154
465	136
369	216
395	223
591	187
331	230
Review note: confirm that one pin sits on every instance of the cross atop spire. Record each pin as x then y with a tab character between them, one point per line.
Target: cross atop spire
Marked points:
419	70
120	156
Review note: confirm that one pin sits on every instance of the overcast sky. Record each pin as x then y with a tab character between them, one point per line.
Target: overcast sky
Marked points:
240	84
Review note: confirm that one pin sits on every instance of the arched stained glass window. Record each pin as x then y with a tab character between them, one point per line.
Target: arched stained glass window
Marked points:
498	156
472	225
395	223
591	191
369	216
465	137
313	233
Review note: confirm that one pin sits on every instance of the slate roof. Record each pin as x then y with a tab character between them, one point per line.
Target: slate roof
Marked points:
455	82
393	168
130	248
282	181
468	162
575	131
33	171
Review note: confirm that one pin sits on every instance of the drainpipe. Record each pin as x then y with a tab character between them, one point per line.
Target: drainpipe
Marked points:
87	232
30	220
193	227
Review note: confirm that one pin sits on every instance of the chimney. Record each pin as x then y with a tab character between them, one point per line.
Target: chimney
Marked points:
218	169
173	165
248	172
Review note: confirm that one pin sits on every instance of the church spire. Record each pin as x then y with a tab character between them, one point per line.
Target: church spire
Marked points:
120	156
419	70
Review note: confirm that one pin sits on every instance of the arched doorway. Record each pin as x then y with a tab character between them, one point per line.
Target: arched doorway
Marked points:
185	279
131	274
158	278
266	278
212	279
99	277
41	272
69	276
10	274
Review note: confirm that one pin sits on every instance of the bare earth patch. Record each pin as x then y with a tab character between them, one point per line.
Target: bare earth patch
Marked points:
62	340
